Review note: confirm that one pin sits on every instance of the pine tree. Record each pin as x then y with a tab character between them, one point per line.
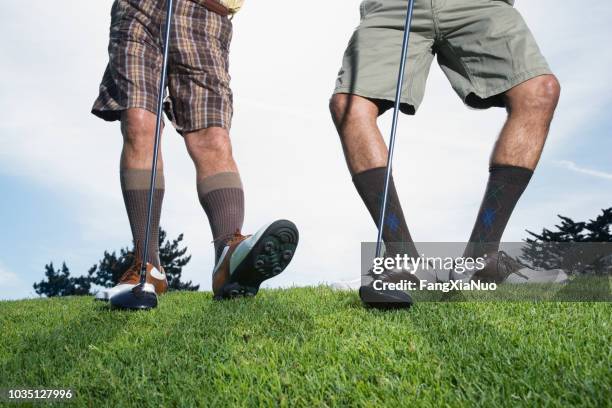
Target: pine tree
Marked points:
60	283
112	266
599	229
576	247
173	259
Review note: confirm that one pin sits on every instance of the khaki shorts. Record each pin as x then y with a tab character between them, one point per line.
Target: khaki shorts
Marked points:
483	46
199	94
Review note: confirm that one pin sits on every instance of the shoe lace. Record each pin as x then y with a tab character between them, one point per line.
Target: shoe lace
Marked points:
231	239
134	270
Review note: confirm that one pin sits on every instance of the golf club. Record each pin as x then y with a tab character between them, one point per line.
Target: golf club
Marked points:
396	108
143	295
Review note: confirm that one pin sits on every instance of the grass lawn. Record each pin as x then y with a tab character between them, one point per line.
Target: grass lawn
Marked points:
310	347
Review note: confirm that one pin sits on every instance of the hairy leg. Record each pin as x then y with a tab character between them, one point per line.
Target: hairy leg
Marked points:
211	152
355	119
366	156
218	182
515	156
531	106
138	129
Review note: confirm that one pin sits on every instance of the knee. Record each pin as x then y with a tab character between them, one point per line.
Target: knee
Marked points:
209	142
548	92
540	94
338	106
138	128
346	108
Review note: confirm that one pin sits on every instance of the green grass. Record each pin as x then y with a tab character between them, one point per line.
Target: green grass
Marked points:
310	347
579	289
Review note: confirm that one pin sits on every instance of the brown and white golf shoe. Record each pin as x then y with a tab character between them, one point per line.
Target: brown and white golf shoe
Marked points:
247	261
131	278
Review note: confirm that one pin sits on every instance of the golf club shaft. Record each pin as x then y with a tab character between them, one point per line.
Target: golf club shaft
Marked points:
160	104
396	108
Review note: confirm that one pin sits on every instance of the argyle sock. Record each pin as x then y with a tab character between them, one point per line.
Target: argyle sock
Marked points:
370	185
222	198
135	184
505	187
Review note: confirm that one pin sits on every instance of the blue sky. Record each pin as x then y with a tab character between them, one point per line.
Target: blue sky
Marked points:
58	164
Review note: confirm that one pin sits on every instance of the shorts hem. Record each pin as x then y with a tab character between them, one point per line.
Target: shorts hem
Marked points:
512	82
413	107
204	126
114	114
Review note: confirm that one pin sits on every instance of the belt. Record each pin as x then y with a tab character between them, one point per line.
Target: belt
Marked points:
216	7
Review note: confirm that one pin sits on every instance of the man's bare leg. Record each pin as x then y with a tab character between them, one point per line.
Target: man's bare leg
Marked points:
366	156
138	129
211	152
218	182
355	119
531	106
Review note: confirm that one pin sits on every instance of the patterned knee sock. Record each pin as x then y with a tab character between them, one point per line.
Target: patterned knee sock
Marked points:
370	185
222	198
505	187
135	185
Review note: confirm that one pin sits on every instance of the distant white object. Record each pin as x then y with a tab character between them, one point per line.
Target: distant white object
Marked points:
420	275
106	294
527	275
346	285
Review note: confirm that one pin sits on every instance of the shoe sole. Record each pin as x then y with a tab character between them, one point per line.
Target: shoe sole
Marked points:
106	297
136	298
385	300
269	257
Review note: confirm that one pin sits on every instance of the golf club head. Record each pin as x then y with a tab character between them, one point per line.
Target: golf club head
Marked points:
140	297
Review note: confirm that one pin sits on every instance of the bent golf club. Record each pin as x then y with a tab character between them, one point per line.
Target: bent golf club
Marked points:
396	108
143	296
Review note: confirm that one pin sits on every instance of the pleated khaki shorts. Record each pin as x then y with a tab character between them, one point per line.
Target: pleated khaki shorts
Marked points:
483	46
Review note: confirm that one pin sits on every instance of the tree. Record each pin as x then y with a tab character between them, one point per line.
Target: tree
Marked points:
112	266
576	247
173	259
60	283
599	229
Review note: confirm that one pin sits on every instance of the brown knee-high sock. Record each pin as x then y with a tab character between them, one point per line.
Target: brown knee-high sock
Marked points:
505	187
222	198
370	185
135	185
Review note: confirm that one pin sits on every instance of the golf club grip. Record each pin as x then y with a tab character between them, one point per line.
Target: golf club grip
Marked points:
160	104
396	108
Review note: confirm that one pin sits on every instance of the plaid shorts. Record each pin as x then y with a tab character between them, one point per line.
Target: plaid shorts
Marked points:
199	95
